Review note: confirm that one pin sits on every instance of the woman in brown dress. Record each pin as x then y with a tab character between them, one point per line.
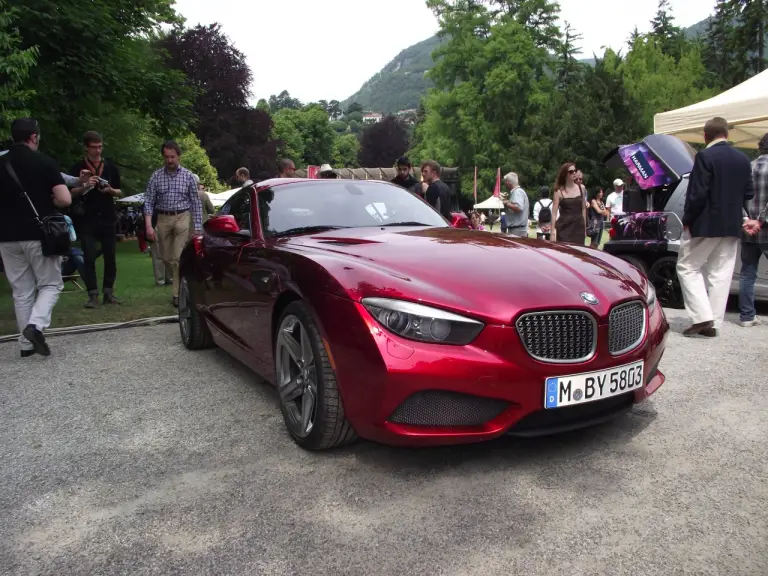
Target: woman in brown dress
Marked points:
569	206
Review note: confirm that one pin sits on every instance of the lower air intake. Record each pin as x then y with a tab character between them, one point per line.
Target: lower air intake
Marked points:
440	408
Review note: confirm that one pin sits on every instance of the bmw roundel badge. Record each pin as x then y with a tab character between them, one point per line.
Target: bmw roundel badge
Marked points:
590	298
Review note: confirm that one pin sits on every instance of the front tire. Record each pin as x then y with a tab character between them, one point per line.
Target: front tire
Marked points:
306	383
195	334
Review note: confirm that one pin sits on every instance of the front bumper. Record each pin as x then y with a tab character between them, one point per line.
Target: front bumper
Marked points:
400	392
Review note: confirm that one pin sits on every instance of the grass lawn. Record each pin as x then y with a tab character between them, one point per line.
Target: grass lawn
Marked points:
135	287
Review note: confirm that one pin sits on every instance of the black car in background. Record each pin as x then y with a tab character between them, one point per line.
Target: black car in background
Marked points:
648	235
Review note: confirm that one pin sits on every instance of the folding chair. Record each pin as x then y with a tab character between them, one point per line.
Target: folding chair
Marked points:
70	274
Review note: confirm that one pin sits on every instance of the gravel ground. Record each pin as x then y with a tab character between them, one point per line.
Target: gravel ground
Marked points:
125	454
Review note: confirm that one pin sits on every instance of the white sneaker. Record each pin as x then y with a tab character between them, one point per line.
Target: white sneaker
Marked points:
749	323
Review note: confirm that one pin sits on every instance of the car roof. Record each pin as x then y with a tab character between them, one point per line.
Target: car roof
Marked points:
315	181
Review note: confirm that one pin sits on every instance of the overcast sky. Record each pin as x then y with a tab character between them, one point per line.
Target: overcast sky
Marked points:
327	50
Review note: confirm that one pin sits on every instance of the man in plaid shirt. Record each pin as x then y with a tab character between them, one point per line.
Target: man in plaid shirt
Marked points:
172	194
755	241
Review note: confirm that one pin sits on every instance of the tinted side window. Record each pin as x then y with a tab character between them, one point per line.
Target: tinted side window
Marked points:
676	202
239	206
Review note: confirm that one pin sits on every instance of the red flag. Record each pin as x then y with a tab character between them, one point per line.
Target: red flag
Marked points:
474	187
497	189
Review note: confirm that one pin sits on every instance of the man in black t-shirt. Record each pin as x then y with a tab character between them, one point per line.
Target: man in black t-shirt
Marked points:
35	279
438	194
97	217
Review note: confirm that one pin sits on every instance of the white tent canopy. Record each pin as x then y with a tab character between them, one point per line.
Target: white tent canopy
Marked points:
136	199
745	107
493	203
219	199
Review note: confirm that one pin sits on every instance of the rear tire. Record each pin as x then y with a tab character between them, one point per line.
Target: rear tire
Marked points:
306	383
195	334
636	262
663	276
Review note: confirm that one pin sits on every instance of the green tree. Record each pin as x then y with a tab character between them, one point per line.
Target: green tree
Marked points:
490	90
346	148
355	127
354	107
285	130
720	47
749	34
670	38
317	134
195	158
334	109
659	82
283	101
339	126
95	66
569	70
538	16
354	117
15	65
305	134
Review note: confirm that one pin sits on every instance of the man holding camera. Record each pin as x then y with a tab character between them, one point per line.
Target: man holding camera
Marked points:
95	207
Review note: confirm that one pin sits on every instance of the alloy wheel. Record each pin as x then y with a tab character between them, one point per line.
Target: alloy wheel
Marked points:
185	313
297	376
667	284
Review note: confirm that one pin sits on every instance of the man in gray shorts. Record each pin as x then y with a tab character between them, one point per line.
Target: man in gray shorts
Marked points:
516	206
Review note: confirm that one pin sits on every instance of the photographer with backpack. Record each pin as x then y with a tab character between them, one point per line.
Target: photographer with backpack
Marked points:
542	213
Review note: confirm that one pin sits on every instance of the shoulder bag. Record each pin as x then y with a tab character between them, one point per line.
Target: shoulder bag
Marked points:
54	230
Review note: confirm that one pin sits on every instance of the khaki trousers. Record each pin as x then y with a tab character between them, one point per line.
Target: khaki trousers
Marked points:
163	273
705	269
172	234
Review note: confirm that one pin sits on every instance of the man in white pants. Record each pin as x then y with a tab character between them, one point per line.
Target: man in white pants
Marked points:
720	187
35	279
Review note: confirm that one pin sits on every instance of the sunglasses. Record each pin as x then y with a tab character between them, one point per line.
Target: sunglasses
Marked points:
572	171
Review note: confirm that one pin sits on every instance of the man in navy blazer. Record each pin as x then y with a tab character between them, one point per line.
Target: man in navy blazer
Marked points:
719	188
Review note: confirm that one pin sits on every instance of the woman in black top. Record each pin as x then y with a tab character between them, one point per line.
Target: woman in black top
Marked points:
597	213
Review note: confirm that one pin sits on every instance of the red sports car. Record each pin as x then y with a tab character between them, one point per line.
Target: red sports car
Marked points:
375	318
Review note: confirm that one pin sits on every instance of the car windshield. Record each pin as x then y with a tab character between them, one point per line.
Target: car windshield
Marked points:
306	207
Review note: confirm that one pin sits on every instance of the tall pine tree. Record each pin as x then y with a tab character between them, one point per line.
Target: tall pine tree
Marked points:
719	46
669	37
751	20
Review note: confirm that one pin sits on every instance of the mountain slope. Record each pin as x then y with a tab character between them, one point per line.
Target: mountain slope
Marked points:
401	83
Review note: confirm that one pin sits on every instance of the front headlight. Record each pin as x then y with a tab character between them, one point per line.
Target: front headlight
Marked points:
422	323
650	296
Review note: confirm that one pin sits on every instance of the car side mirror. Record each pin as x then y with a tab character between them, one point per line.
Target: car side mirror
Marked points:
222	225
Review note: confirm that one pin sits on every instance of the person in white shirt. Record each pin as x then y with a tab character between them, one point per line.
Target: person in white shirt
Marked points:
615	200
543	220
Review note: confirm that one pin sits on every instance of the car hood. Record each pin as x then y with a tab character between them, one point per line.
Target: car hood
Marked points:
485	275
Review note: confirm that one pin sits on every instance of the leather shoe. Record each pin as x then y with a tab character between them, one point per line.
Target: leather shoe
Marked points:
34	335
701	329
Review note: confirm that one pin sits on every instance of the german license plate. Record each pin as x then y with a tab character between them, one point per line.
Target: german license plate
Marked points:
563	391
